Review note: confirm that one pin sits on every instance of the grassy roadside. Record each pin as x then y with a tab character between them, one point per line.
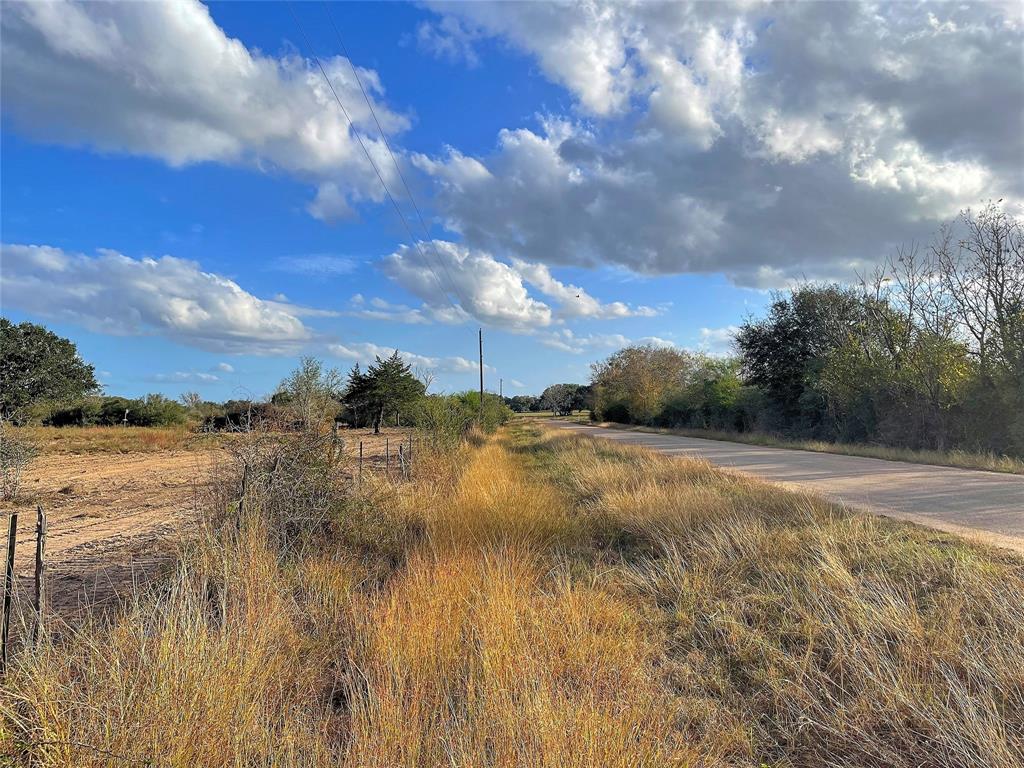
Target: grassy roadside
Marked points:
961	459
542	599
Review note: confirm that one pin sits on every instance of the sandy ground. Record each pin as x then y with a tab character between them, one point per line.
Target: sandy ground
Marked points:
986	506
118	518
112	518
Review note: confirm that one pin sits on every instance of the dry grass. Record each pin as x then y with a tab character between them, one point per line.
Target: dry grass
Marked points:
989	462
82	440
543	599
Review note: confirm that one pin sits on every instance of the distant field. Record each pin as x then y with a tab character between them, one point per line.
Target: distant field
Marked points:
538	598
82	440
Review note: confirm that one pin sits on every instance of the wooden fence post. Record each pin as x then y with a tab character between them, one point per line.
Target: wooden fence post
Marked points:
37	627
387	457
360	463
12	534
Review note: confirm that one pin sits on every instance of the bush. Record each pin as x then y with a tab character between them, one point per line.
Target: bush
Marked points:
151	411
16	452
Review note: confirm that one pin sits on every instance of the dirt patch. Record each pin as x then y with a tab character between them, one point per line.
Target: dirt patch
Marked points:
112	519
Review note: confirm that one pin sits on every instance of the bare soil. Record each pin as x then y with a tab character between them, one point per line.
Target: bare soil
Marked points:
112	519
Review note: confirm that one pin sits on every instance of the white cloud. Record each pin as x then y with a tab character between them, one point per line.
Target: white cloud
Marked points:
181	377
575	301
565	340
717	341
782	140
224	368
116	294
163	80
365	353
487	289
448	38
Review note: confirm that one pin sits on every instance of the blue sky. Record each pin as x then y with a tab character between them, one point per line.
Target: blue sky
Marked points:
183	199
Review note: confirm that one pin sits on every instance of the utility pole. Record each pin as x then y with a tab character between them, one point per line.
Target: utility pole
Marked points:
501	391
481	376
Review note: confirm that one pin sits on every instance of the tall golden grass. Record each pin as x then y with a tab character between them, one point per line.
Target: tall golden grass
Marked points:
546	600
84	440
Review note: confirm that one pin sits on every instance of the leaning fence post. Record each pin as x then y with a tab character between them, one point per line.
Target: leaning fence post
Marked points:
401	460
12	534
37	627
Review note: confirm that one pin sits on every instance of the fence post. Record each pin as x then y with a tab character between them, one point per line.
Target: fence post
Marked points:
387	457
12	534
37	627
360	463
401	460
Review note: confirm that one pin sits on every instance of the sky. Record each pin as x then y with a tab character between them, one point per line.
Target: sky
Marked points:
183	196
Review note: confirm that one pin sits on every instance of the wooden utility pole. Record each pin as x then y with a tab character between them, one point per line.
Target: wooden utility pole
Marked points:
501	390
481	376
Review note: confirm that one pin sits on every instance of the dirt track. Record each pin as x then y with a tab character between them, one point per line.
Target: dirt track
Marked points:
112	518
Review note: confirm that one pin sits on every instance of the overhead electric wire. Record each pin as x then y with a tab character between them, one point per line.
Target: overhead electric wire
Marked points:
369	157
383	135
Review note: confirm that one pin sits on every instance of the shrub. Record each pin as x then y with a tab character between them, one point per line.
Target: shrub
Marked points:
16	452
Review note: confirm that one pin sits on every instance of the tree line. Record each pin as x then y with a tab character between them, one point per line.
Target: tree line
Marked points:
43	380
926	352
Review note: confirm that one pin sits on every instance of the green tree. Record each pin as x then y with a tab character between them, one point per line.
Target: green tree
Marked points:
785	352
391	389
560	399
38	366
311	393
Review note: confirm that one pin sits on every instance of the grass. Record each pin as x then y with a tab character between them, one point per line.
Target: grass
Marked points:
85	440
541	599
989	462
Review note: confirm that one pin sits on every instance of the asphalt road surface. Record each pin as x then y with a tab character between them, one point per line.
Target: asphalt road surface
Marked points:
984	505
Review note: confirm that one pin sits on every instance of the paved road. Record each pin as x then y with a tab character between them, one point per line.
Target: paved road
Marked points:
984	505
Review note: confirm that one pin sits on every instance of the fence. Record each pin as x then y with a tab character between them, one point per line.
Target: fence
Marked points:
38	593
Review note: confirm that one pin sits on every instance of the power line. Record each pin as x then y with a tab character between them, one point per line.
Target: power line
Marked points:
408	191
369	157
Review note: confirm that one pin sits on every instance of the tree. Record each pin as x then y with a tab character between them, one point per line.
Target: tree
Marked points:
560	399
634	383
38	366
311	393
785	352
521	403
393	388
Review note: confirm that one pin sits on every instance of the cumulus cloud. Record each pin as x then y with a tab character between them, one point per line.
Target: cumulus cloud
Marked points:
575	301
565	340
116	294
366	352
717	341
164	81
486	288
225	367
762	141
181	377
